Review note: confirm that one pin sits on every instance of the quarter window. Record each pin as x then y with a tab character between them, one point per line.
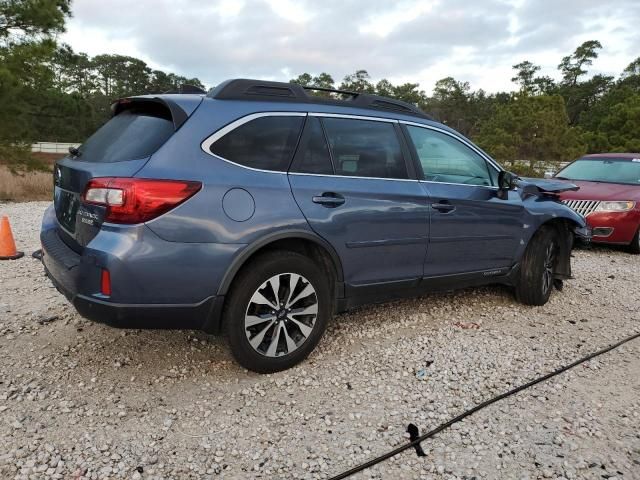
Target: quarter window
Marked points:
447	160
267	143
365	148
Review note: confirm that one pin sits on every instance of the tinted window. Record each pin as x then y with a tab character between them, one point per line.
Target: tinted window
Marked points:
600	169
313	155
445	159
267	143
364	148
135	133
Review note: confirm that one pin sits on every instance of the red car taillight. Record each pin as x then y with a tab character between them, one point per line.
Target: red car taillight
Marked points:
137	200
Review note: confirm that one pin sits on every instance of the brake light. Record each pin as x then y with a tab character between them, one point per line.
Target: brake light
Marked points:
137	200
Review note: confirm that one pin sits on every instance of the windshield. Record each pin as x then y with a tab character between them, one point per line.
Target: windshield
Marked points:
613	170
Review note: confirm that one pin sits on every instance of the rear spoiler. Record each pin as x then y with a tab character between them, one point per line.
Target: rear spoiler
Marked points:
178	114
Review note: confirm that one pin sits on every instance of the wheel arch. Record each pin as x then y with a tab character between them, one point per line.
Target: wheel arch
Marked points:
293	240
564	228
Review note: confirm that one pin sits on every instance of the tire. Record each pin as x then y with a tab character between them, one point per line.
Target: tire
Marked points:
536	268
265	342
634	246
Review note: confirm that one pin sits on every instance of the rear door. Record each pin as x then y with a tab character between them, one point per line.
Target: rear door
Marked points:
118	149
472	230
356	192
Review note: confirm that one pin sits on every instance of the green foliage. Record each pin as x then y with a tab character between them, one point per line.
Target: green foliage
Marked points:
50	92
360	82
529	83
324	80
26	27
19	159
572	66
25	20
622	124
525	75
531	128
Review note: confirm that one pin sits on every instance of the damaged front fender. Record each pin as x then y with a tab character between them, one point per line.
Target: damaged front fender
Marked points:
568	231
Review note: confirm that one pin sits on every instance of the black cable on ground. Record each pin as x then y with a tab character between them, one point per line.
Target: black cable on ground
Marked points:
482	405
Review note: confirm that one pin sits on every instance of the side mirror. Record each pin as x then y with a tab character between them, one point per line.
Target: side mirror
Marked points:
507	180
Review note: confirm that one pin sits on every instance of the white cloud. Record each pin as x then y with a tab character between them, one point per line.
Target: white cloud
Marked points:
409	40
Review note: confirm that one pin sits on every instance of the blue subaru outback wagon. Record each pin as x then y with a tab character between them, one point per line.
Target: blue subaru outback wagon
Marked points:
261	209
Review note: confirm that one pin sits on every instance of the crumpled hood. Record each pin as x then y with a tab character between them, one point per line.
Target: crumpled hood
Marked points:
543	185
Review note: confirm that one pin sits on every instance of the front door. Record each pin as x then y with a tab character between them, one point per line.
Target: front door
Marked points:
472	230
355	192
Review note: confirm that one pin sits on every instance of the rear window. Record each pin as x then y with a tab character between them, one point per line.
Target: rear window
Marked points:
364	148
135	133
266	143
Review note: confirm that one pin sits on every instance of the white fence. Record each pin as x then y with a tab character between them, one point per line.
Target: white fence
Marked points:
51	147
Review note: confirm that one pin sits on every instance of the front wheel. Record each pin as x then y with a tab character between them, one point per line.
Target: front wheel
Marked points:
277	311
537	268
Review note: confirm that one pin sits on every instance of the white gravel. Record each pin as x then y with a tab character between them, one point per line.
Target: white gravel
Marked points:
82	400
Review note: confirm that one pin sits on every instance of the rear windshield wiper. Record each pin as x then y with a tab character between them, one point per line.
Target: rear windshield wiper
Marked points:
74	152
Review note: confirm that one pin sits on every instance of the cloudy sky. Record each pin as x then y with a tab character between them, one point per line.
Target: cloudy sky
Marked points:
402	40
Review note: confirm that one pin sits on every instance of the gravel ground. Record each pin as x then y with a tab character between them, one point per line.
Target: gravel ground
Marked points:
82	400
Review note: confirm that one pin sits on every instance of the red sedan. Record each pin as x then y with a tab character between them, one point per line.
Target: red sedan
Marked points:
609	196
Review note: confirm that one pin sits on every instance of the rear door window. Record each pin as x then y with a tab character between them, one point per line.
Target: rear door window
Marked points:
266	143
135	133
365	148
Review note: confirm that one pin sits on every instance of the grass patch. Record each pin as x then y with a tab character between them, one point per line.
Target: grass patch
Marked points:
25	186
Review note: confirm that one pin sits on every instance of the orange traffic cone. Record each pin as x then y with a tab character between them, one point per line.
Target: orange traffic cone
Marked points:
7	245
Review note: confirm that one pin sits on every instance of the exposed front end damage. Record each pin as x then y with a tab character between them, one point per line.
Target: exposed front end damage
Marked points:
570	226
568	232
537	186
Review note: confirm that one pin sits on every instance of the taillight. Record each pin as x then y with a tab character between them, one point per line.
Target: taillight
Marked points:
137	200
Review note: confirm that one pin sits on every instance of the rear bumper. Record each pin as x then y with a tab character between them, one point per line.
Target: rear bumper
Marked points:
615	228
75	276
147	316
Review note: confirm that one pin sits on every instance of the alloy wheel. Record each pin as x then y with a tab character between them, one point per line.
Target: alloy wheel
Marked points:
549	264
281	314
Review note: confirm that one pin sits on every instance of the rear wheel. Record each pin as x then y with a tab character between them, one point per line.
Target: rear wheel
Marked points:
277	311
537	268
634	246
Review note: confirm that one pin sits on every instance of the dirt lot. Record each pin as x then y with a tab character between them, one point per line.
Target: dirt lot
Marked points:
79	399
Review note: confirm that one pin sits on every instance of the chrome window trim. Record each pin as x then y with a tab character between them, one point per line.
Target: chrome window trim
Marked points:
211	139
490	187
302	174
461	140
352	117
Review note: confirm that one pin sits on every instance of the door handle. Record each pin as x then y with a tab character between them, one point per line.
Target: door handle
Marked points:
443	207
329	199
